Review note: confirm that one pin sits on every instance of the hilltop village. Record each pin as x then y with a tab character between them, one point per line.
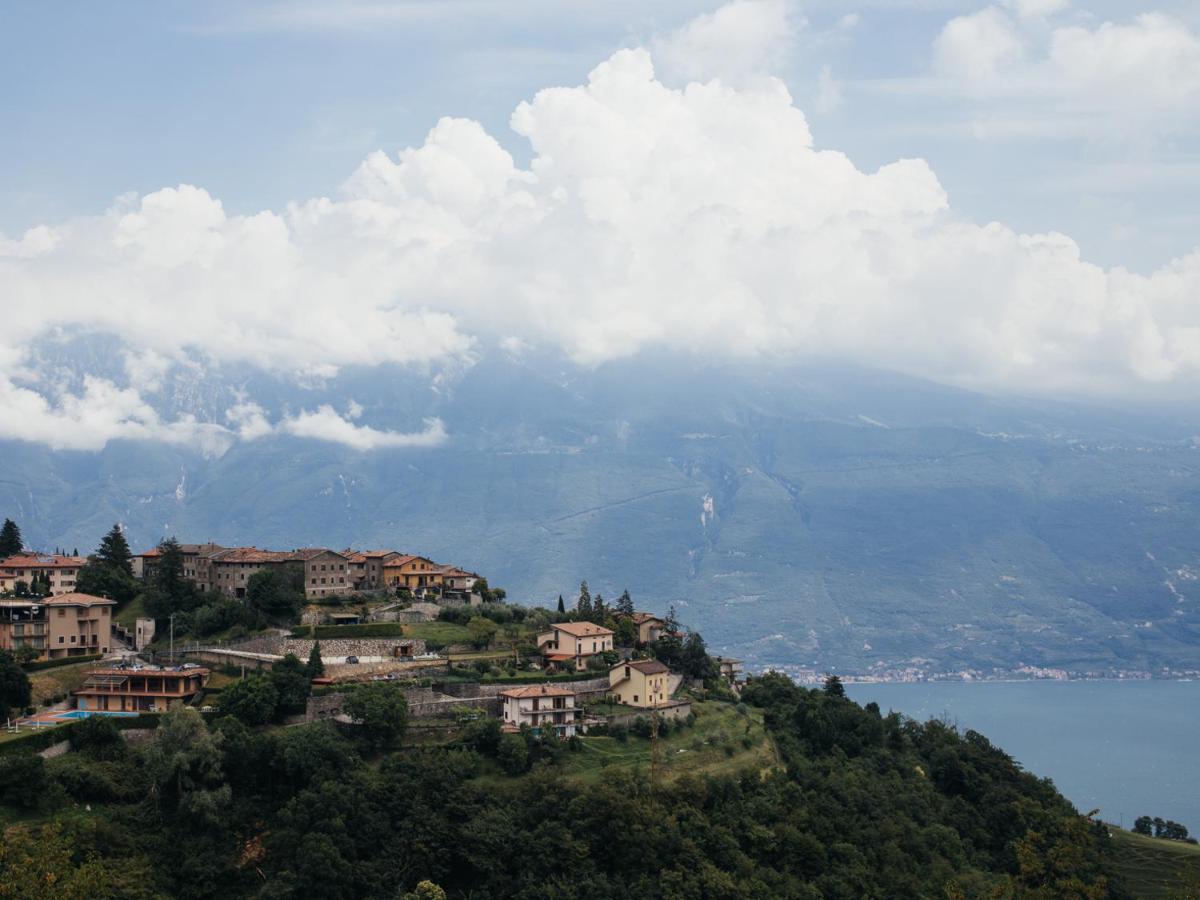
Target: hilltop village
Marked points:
345	723
206	624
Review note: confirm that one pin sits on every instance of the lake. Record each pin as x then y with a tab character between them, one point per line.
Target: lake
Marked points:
1129	748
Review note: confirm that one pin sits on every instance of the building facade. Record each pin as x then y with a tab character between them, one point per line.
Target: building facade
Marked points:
61	571
541	707
78	625
139	689
641	682
23	624
574	643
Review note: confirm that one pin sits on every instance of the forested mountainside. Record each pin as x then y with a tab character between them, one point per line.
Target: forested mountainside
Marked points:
847	803
833	518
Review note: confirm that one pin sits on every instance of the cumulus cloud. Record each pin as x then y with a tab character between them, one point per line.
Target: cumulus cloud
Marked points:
739	39
1145	72
699	217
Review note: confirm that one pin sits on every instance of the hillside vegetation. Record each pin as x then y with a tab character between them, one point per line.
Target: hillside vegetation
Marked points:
796	794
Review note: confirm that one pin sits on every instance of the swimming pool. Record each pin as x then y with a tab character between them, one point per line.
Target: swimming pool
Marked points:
84	713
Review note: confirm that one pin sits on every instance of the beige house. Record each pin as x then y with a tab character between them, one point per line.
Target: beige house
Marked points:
541	706
23	624
649	626
574	642
60	570
640	682
78	624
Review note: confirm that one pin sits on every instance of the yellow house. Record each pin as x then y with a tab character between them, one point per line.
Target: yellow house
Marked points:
574	642
413	572
640	682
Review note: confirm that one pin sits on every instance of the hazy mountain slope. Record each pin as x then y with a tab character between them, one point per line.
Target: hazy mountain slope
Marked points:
808	516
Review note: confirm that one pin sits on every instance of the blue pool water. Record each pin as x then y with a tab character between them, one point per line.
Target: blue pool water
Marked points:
1125	747
84	713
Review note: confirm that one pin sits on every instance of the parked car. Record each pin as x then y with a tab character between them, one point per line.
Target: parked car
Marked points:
352	660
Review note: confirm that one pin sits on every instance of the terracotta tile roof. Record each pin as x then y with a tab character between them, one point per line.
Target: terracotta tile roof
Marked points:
307	553
582	629
404	560
560	657
77	599
39	561
378	554
640	617
645	666
250	555
538	690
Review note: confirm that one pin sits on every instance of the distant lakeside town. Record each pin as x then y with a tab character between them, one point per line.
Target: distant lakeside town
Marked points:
173	623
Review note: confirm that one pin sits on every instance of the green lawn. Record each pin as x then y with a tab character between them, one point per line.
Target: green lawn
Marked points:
1156	868
130	612
713	745
443	632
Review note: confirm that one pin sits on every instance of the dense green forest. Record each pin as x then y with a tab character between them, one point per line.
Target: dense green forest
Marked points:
860	805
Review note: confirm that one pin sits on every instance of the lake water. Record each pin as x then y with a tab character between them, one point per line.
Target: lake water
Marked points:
1130	748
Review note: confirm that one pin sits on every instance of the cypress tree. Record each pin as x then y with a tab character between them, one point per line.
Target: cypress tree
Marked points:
10	539
562	607
114	551
584	605
315	667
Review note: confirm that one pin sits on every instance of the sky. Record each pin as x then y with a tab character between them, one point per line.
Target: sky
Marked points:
1002	197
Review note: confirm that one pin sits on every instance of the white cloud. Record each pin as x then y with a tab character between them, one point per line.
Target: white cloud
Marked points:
977	47
699	218
1139	75
738	39
326	425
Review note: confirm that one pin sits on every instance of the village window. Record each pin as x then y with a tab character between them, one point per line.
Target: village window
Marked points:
60	638
61	613
635	698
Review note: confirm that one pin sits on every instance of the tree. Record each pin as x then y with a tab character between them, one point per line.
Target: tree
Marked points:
625	604
1142	826
114	551
170	591
183	764
562	607
626	632
513	754
482	631
22	780
381	711
316	666
833	686
276	593
45	863
693	658
292	684
10	539
253	700
15	690
425	890
584	604
106	580
599	610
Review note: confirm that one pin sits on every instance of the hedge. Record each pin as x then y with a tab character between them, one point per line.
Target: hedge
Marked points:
35	739
372	629
62	661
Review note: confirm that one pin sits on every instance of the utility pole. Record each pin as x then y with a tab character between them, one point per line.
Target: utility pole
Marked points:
172	638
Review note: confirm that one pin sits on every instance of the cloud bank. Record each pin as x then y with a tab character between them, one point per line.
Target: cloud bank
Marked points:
699	218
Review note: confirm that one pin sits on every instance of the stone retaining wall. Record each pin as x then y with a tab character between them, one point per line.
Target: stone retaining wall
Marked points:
678	709
330	647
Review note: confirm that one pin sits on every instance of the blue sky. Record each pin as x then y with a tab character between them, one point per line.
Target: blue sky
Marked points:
998	196
263	104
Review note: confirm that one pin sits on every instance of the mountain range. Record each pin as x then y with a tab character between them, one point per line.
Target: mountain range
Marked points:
813	516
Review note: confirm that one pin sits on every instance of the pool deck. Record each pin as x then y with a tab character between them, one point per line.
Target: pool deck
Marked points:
51	717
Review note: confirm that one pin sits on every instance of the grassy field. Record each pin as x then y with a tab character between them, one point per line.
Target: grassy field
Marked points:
1155	868
61	680
130	612
443	632
723	740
